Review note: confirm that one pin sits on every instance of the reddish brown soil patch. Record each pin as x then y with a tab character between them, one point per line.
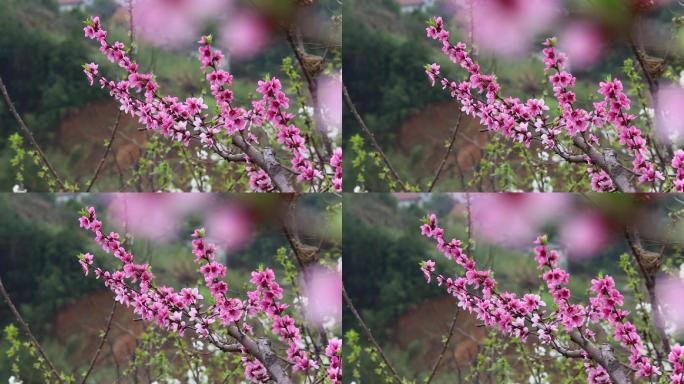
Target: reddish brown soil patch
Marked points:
427	131
79	325
429	128
429	322
82	134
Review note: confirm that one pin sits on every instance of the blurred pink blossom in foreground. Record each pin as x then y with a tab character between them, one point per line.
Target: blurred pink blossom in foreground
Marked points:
584	235
245	34
670	293
583	42
174	22
322	287
515	218
508	27
153	215
670	113
229	227
330	94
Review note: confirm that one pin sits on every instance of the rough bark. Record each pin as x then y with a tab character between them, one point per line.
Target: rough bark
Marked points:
267	162
603	355
261	350
608	162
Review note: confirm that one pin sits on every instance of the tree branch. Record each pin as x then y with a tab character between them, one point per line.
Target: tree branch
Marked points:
444	347
369	334
294	39
370	136
28	133
304	254
237	347
102	341
603	354
268	163
649	263
106	152
261	350
448	152
27	330
608	162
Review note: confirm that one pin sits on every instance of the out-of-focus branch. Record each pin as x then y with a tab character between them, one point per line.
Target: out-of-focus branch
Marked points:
649	264
650	70
371	137
28	332
28	133
304	254
311	65
106	152
457	128
369	334
444	347
102	341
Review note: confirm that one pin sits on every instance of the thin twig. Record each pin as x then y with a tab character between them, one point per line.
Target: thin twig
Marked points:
294	39
368	133
102	341
191	366
115	360
27	330
652	83
453	321
289	231
456	313
447	153
634	241
28	133
106	152
369	335
304	256
444	347
131	30
469	222
652	80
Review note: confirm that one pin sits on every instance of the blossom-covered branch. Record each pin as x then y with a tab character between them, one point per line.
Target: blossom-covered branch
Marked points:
218	318
525	121
188	120
477	292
